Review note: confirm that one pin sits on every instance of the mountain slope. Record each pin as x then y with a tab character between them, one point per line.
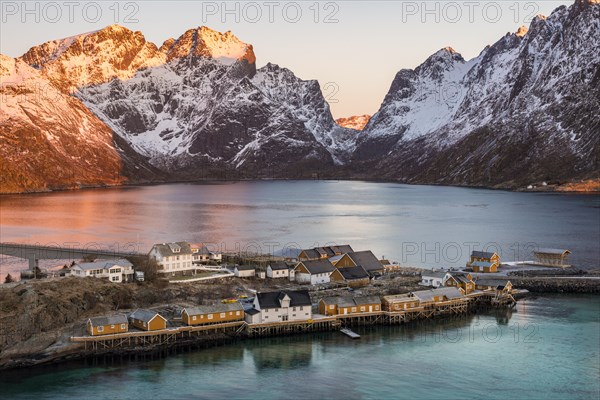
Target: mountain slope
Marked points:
522	111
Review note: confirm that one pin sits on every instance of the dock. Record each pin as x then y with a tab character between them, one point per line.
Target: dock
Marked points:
349	333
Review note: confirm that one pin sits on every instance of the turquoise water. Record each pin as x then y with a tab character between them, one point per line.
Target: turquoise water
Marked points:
548	348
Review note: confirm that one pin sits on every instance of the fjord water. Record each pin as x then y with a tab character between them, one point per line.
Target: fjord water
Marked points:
414	225
548	348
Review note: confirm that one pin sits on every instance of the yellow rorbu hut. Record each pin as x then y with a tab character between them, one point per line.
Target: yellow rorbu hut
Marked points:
344	305
147	320
107	325
483	261
218	313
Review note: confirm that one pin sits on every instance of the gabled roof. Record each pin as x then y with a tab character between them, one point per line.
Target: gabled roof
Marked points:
166	249
216	308
482	254
278	265
311	253
366	259
317	266
144	315
351	273
104	264
327	251
111	320
459	276
557	252
447	292
273	299
433	274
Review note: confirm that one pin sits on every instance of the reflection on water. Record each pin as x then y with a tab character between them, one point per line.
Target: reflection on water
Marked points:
526	353
415	225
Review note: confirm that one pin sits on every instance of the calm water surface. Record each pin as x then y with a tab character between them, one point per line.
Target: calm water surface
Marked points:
548	348
415	225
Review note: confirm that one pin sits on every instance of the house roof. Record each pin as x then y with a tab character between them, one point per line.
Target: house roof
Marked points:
245	267
144	315
251	311
351	273
459	276
447	292
340	301
482	264
482	254
169	249
558	252
433	274
366	259
318	266
273	299
367	300
110	320
279	265
311	253
216	308
104	264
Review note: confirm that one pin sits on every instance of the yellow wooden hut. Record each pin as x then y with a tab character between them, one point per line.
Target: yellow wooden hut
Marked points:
147	320
218	313
107	325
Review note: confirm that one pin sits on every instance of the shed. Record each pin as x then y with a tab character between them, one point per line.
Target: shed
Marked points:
147	320
552	257
107	325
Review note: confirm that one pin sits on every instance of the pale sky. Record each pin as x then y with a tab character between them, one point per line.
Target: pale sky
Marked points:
353	48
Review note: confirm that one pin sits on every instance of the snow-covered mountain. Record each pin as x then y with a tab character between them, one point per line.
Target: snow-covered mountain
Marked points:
198	104
524	110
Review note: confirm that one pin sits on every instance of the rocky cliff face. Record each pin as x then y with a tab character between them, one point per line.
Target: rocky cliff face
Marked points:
356	122
522	111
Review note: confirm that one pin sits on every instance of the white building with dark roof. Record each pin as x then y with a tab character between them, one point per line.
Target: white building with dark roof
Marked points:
172	258
120	270
313	271
286	305
278	269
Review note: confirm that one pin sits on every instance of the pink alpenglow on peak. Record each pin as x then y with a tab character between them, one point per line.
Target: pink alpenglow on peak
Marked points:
522	31
357	122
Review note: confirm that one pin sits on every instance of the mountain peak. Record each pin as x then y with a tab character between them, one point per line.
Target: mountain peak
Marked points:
522	31
206	42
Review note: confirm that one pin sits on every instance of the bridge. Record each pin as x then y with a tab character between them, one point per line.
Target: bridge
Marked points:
33	253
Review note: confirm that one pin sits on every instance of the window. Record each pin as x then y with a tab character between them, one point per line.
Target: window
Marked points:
194	318
122	326
144	324
294	309
362	309
237	313
112	327
277	309
222	315
353	309
331	307
100	329
210	316
230	312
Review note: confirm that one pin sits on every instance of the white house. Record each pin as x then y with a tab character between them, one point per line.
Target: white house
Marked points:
244	271
172	258
287	305
278	270
202	255
119	270
314	271
432	278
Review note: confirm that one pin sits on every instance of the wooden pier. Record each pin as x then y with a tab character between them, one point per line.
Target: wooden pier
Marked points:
349	333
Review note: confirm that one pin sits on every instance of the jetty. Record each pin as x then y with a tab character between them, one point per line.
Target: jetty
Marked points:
349	333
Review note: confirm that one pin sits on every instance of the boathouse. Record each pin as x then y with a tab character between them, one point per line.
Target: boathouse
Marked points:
552	257
365	259
222	312
278	270
313	271
353	276
147	320
107	325
461	280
